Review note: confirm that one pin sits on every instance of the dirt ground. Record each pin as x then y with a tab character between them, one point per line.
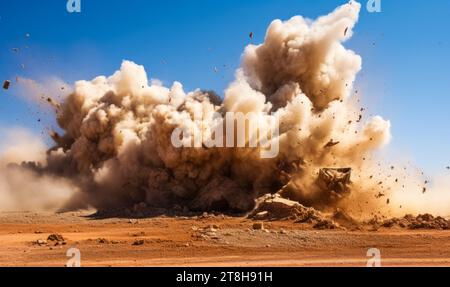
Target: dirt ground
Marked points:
206	241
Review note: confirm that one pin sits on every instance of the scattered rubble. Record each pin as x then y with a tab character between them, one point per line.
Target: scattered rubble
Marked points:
274	207
56	239
326	224
343	219
422	221
258	226
334	181
102	241
40	242
138	242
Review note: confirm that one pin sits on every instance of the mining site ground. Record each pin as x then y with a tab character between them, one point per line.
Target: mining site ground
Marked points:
206	241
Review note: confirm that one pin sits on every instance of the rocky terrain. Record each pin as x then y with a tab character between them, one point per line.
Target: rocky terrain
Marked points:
292	236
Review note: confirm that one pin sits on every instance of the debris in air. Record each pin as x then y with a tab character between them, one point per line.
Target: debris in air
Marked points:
53	103
6	84
331	143
334	181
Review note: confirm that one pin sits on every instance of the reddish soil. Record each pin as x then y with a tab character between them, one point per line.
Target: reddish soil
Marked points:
211	241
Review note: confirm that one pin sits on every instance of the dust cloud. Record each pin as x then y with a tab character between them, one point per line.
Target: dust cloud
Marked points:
116	150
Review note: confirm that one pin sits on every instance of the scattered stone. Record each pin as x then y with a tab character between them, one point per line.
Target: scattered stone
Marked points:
102	241
41	242
56	237
210	228
345	220
138	242
422	221
274	207
326	224
258	226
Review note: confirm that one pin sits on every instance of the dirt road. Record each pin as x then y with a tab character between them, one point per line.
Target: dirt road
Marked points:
210	241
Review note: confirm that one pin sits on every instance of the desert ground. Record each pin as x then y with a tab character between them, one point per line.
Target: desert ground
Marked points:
206	240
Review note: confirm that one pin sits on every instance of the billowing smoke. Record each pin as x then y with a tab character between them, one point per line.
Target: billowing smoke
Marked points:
117	146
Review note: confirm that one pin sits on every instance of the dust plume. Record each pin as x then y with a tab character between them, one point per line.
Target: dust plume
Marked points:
117	147
48	90
21	188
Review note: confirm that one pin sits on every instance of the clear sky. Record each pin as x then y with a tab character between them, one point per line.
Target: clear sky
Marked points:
405	50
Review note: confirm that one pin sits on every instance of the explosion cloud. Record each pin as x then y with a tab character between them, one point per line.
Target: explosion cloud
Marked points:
117	148
23	188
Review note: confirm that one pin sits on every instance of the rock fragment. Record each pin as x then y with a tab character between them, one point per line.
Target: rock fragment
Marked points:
6	84
258	226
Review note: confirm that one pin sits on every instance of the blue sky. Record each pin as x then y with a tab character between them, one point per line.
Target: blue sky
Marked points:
406	63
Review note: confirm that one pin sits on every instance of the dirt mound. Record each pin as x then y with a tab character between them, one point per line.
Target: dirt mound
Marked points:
422	221
274	207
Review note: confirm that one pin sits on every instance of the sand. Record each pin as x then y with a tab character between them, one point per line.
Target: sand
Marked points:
208	241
